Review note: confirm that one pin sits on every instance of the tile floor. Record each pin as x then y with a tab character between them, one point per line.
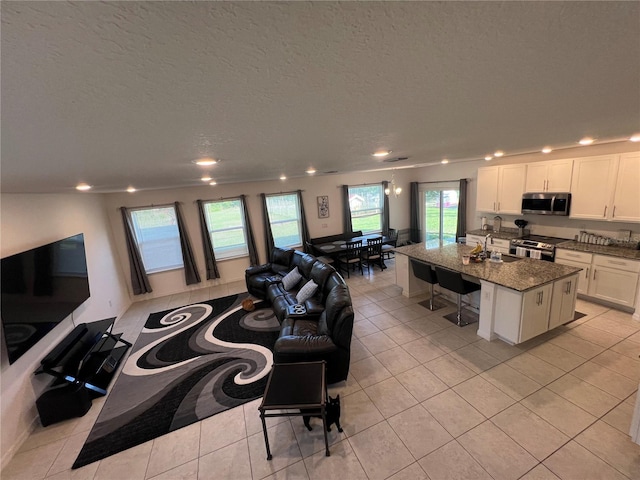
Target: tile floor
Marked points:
424	400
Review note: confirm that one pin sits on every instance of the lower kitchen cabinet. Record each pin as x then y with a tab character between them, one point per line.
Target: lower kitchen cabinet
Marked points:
563	301
580	260
614	280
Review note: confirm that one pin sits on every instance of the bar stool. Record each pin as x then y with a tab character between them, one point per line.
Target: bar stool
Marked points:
453	281
423	271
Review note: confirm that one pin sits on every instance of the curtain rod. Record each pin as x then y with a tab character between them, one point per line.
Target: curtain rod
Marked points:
281	193
218	199
362	184
445	181
163	205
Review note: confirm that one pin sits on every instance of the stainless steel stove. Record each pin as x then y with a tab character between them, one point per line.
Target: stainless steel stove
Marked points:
535	246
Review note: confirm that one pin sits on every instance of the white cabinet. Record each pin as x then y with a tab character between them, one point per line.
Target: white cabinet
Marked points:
551	176
535	312
606	188
498	244
580	260
614	280
626	201
563	301
500	189
473	240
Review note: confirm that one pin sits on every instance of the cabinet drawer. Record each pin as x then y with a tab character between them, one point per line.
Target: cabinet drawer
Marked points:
572	255
617	263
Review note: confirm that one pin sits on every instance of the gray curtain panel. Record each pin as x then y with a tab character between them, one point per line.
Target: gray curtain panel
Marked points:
303	222
385	209
191	274
139	280
209	256
268	234
414	213
461	229
251	242
346	210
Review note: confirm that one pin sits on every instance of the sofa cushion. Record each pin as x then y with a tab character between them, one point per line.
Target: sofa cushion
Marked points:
307	291
337	299
281	257
320	272
291	279
306	264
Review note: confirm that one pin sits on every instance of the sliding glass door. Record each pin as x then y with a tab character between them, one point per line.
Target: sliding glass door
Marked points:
439	215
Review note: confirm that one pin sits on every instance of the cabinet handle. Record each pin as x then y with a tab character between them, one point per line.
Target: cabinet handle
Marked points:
613	214
605	211
616	262
546	185
594	273
498	206
568	290
587	275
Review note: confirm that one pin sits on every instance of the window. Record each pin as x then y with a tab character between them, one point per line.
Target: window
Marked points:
284	217
365	203
226	226
156	231
440	215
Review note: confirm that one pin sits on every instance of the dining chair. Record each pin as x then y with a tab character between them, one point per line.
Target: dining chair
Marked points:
352	257
387	248
372	254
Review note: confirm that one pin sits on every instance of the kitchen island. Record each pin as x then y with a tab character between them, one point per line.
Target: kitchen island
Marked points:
518	300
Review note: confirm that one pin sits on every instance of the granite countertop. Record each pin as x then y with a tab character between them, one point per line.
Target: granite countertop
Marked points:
504	234
521	275
611	250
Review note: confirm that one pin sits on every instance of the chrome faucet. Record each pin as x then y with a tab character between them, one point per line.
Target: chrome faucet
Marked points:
486	241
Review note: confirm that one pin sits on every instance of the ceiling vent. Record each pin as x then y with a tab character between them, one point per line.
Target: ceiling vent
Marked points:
395	159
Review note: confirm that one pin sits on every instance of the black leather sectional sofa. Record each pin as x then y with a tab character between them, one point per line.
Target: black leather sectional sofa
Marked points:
324	331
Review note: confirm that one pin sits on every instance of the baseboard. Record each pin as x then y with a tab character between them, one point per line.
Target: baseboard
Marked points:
604	303
10	453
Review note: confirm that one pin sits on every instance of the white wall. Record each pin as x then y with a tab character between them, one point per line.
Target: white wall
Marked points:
29	221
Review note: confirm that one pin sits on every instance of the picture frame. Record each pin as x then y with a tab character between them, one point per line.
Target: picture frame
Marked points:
323	206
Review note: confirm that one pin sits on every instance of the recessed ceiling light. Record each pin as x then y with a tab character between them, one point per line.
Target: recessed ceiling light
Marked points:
444	161
205	161
213	183
546	150
488	157
131	190
282	177
498	153
586	141
206	178
382	153
83	187
311	171
635	137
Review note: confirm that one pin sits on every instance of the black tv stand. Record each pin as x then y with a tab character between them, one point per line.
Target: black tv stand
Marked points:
83	365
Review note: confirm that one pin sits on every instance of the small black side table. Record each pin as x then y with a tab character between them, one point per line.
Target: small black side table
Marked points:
295	386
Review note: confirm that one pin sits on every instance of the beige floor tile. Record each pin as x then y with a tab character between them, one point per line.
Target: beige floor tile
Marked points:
412	472
449	370
447	340
378	342
312	441
284	449
484	397
483	443
423	350
223	429
622	364
470	333
342	463
421	383
235	462
252	420
34	463
174	449
391	304
423	325
364	327
297	471
370	310
397	360
380	451
346	387
84	473
620	417
357	413
628	347
390	397
452	462
186	471
515	384
535	368
562	414
573	461
406	314
130	464
498	349
589	308
378	296
69	453
402	334
611	382
595	335
530	431
577	345
635	337
583	394
453	412
475	359
358	351
419	431
385	320
612	323
540	472
613	447
556	356
44	435
369	371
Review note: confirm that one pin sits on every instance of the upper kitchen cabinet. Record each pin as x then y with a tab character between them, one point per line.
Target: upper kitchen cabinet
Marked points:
606	188
500	189
551	176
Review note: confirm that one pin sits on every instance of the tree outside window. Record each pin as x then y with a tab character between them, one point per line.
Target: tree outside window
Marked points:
365	203
440	207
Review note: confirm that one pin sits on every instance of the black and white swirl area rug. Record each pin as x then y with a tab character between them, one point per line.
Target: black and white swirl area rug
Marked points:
188	363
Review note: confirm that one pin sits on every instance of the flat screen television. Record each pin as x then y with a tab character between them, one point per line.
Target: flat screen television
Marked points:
40	288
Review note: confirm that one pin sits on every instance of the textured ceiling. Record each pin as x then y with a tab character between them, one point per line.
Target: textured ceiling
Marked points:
127	93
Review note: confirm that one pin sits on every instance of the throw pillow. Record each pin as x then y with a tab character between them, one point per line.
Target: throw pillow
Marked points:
291	279
306	291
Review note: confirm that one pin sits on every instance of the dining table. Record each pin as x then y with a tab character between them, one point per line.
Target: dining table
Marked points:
336	248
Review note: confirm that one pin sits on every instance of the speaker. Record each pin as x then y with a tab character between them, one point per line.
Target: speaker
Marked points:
61	402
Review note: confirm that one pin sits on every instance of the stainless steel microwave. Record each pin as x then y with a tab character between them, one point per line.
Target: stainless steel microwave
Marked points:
546	203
